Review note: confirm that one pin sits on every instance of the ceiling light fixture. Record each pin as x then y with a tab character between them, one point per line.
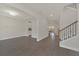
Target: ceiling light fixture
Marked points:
51	27
13	13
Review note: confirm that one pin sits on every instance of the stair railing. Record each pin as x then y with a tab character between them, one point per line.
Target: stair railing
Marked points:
69	31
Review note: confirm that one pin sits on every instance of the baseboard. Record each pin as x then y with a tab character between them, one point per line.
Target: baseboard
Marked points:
74	49
34	37
12	37
38	40
17	37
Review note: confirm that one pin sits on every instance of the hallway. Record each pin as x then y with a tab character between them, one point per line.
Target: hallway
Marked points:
26	46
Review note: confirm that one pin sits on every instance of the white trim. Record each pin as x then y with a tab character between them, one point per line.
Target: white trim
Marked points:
41	38
12	37
34	37
64	46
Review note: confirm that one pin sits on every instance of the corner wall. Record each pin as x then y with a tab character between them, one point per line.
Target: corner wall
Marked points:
14	27
42	29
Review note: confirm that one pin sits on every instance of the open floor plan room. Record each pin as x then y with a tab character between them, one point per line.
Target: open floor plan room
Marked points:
39	29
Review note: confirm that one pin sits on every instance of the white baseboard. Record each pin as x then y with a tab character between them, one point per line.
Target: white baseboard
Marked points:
42	38
12	37
74	49
34	37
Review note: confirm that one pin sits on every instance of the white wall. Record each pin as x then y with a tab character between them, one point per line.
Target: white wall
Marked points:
68	16
33	25
78	16
28	25
35	28
72	43
39	27
10	28
14	27
42	29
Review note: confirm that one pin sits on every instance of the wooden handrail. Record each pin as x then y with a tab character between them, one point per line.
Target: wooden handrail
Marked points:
69	31
68	25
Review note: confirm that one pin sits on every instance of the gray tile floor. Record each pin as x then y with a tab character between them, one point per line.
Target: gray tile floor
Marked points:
26	46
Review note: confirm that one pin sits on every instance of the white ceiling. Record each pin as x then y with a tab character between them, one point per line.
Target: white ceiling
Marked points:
12	12
49	11
44	10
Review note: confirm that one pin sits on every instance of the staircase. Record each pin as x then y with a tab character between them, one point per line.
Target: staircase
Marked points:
69	37
69	31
